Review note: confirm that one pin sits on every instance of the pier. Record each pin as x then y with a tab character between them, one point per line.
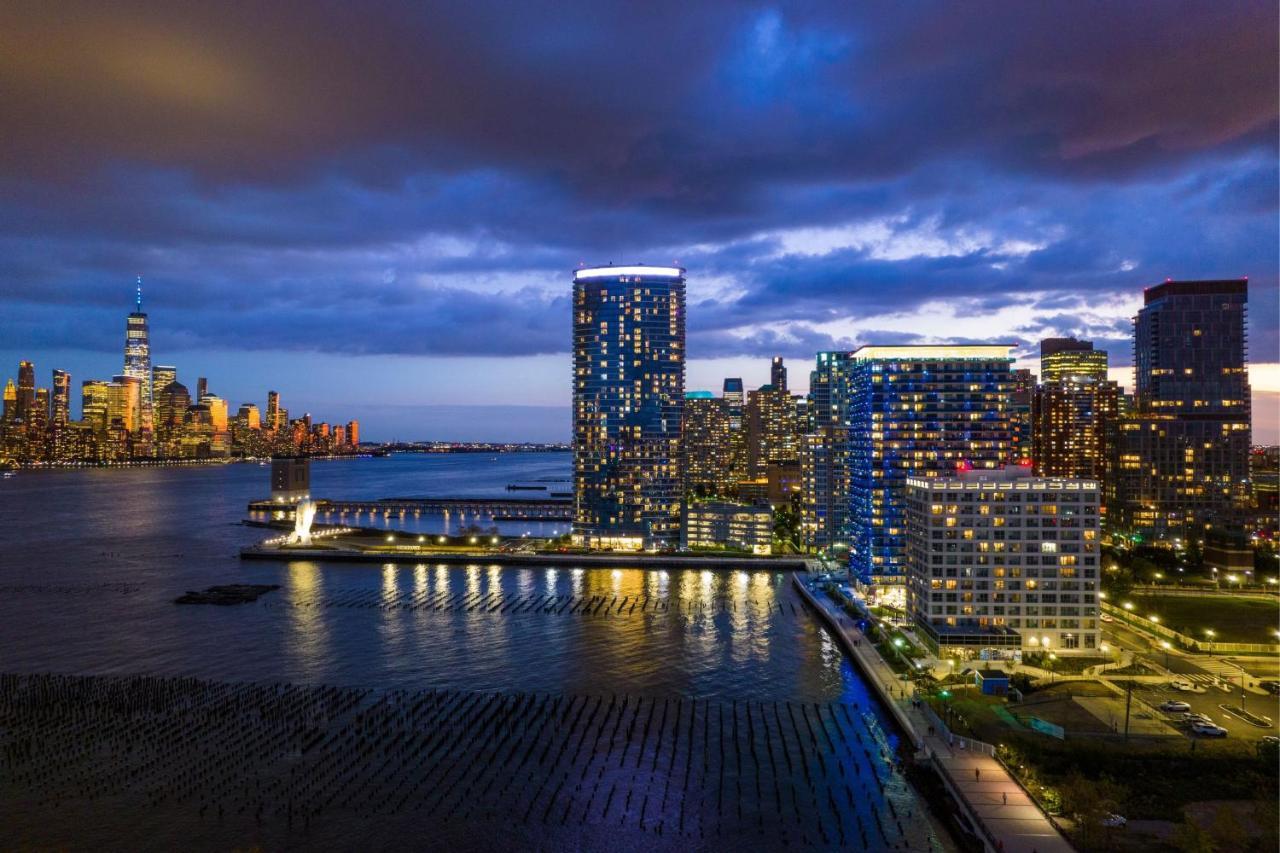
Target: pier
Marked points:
500	509
416	556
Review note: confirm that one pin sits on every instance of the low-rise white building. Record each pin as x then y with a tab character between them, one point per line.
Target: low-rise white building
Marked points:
717	524
1004	560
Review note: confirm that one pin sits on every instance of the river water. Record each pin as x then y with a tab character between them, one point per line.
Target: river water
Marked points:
696	666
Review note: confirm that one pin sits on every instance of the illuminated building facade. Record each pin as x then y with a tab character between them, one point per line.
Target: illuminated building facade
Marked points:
60	400
137	364
923	411
773	429
628	400
708	447
825	453
1003	560
1075	410
1181	461
1061	358
717	524
1021	404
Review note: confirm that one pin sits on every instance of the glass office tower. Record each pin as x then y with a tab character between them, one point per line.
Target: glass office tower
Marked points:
628	401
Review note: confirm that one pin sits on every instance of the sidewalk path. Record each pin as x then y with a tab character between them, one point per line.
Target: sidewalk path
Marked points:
1013	822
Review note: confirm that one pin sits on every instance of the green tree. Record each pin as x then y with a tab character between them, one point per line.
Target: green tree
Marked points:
1089	801
1190	837
1226	830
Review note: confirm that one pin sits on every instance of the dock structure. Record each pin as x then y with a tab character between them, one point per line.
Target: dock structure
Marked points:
522	509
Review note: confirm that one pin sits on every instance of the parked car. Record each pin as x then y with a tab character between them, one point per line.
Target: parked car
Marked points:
1107	617
1208	730
1115	820
1272	687
1271	739
1180	684
1174	705
1196	718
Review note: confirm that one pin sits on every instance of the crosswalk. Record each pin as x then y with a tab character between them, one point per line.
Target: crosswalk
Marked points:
1220	669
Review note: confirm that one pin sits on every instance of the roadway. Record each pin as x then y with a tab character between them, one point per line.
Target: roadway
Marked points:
1205	673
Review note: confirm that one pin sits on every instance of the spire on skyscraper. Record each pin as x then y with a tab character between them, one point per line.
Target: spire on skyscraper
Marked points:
139	294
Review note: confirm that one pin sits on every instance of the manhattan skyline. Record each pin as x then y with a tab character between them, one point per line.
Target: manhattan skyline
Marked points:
384	218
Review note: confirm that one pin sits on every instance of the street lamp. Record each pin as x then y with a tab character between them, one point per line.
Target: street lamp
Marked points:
1052	675
1164	644
1128	605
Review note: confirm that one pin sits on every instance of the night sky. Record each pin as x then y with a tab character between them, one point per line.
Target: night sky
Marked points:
375	208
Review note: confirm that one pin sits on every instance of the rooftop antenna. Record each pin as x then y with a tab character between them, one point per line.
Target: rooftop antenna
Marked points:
139	294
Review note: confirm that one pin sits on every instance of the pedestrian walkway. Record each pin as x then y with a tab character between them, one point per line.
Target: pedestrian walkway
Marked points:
1010	820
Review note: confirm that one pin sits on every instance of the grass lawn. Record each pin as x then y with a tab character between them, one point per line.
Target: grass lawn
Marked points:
1064	664
1234	620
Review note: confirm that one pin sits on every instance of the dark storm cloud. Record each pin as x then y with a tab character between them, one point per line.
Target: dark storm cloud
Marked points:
419	178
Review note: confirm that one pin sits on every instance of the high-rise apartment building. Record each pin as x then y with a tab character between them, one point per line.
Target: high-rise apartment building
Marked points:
137	363
1003	560
1075	410
825	455
353	433
628	397
708	447
1021	404
922	411
772	425
1181	461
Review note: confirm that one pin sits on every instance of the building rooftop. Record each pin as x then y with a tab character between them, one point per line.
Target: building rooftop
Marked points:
913	351
635	269
1195	288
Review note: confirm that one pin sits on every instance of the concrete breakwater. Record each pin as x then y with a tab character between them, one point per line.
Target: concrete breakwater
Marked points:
351	767
567	560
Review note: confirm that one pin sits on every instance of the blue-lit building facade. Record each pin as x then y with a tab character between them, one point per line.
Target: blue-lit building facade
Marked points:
824	456
628	402
921	411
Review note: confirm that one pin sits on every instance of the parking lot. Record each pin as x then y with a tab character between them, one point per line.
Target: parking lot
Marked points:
1207	699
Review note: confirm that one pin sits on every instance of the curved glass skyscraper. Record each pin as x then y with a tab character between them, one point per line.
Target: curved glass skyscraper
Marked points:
628	398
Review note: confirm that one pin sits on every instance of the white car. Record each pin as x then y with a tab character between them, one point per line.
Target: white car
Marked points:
1107	617
1174	705
1196	718
1184	686
1208	730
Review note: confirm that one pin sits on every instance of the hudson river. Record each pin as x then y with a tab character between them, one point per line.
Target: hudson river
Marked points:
475	707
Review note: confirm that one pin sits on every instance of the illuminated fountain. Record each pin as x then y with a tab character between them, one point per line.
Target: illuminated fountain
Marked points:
302	518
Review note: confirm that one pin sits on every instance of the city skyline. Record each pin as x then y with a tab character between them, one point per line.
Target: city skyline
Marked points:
829	177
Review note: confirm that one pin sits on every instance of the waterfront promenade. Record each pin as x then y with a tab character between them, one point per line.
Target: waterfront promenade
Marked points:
630	560
1007	817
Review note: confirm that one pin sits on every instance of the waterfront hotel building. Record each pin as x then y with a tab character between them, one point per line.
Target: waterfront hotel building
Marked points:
1003	560
628	396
